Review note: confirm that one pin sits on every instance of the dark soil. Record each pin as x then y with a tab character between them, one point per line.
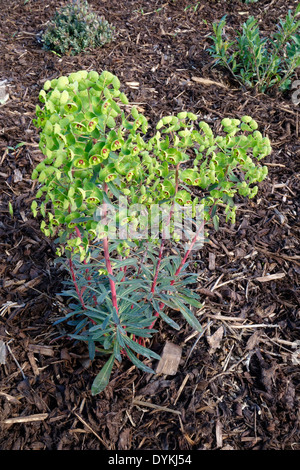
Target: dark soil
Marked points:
238	389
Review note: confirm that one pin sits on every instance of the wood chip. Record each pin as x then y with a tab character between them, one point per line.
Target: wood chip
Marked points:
156	407
26	419
170	359
32	361
207	81
215	340
41	349
17	176
2	352
219	434
10	398
253	341
133	85
212	261
181	388
91	430
271	277
29	284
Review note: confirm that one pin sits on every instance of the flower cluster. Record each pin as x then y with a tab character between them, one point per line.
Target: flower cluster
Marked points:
97	149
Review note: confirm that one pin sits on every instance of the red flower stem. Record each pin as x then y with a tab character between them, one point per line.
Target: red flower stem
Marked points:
183	262
108	263
180	267
157	266
163	235
188	252
110	271
87	269
75	283
71	265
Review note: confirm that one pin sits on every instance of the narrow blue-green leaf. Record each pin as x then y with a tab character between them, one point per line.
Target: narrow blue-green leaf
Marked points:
188	315
120	337
125	262
102	379
169	320
137	362
139	349
117	351
141	332
91	347
191	301
115	316
129	300
101	298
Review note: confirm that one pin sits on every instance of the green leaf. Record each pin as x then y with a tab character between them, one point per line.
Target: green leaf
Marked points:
10	209
140	349
137	362
102	379
187	314
110	122
169	320
192	301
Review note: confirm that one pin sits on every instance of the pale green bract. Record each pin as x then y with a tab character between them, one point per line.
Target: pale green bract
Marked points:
87	140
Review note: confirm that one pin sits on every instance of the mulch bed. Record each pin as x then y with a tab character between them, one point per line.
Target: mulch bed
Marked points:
237	387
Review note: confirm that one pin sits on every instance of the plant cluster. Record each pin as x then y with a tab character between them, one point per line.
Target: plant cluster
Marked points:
97	152
74	28
260	62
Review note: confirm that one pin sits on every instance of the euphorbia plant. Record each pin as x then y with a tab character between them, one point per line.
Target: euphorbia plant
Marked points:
98	153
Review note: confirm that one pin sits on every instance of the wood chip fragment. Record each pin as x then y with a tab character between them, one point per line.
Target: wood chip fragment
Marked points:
215	339
133	85
170	359
271	277
2	352
207	81
26	419
10	398
29	284
212	261
253	341
156	407
219	434
34	367
181	388
17	176
41	349
91	430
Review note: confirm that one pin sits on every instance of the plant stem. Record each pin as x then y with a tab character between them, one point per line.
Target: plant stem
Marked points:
188	251
110	271
157	266
192	245
183	261
180	267
86	271
71	265
163	235
108	263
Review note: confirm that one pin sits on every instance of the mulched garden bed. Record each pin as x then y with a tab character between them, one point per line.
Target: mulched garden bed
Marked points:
237	387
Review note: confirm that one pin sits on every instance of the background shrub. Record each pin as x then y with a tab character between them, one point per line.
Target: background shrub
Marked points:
256	61
74	28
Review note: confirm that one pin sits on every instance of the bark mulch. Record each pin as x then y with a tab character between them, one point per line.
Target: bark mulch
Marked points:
237	387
